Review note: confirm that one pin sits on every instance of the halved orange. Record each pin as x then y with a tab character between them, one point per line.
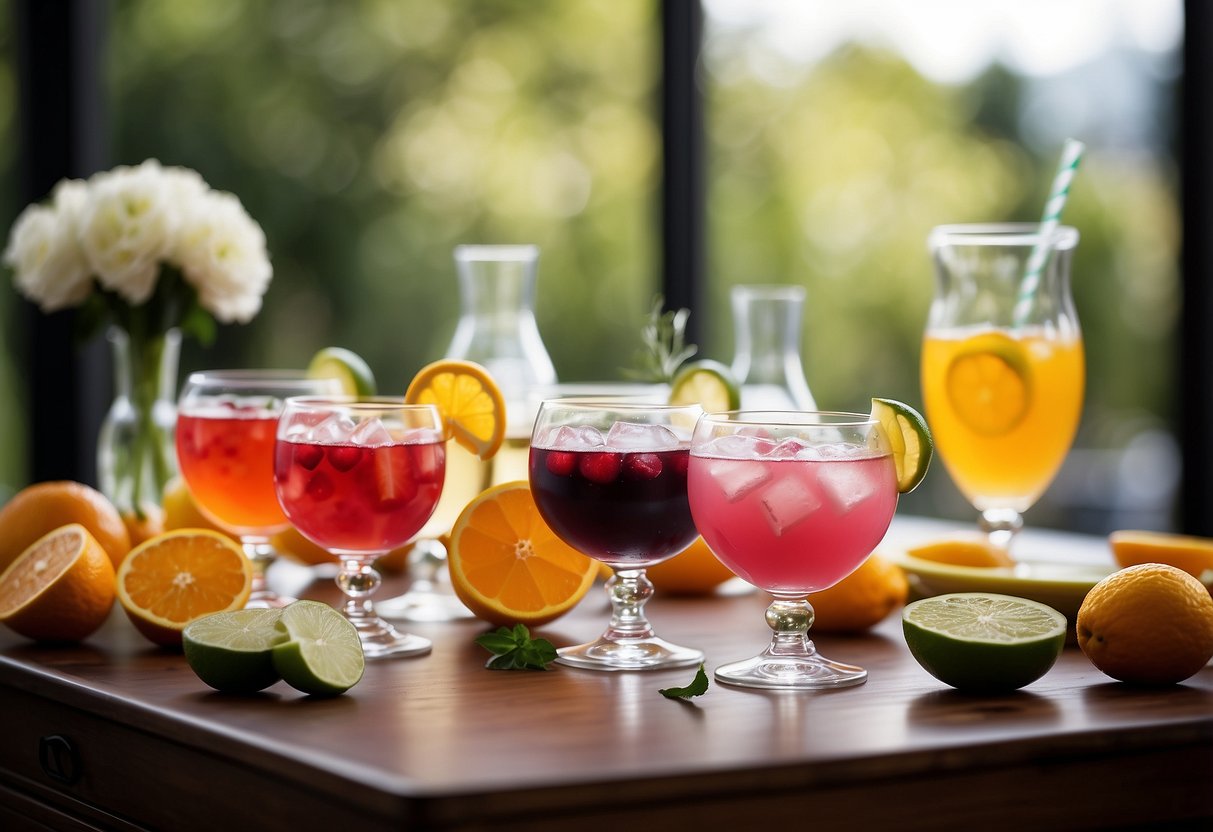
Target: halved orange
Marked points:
61	588
989	384
1193	555
468	399
508	567
170	580
45	506
963	550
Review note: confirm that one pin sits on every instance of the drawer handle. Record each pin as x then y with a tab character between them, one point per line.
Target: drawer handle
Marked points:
59	759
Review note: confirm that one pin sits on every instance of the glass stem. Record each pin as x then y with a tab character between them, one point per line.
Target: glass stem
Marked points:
359	580
628	590
261	554
1001	525
790	621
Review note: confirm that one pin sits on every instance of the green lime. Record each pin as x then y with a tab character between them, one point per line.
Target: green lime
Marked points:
980	642
324	655
233	651
909	439
347	367
708	384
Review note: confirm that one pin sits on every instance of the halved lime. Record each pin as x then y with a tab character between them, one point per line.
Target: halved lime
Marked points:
909	438
347	367
324	655
709	384
233	651
980	642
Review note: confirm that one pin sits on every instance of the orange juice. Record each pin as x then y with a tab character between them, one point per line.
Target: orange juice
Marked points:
1003	406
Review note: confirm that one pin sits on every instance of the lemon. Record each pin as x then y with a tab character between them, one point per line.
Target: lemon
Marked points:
980	642
989	384
909	440
323	655
347	367
708	384
234	651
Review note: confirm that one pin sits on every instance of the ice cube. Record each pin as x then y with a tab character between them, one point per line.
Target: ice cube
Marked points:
789	448
788	501
370	433
335	428
575	438
737	477
845	485
736	446
630	436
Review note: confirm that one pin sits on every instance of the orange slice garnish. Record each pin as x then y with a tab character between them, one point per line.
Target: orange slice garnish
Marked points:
469	400
989	384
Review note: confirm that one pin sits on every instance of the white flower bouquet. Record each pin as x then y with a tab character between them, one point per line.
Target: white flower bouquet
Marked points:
155	252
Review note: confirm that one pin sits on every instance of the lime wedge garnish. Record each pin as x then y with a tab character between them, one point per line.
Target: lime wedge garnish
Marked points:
347	367
233	651
324	655
708	384
981	642
909	439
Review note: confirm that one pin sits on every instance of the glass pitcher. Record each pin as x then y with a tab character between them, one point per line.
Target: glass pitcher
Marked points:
766	361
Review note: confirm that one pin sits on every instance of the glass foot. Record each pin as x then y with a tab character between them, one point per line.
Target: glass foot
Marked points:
790	673
431	606
628	654
381	640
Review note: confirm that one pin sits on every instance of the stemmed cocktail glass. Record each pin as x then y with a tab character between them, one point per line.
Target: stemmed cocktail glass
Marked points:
609	478
792	502
359	477
1002	368
226	423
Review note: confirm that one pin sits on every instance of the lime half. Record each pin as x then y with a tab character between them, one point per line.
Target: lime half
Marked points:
980	642
708	384
347	367
909	438
324	655
233	651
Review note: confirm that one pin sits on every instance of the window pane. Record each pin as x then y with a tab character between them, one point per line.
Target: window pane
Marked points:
841	133
371	138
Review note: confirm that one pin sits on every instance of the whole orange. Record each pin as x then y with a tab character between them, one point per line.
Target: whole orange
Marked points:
693	571
862	599
1149	624
59	589
145	527
37	509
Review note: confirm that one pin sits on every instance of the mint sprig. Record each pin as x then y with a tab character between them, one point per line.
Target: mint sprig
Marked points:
698	687
516	650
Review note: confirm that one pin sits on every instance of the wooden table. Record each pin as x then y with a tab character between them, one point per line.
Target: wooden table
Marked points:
129	738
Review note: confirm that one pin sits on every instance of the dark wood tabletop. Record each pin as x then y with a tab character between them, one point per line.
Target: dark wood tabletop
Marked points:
440	742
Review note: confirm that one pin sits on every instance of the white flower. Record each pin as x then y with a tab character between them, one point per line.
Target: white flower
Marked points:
127	227
221	252
50	268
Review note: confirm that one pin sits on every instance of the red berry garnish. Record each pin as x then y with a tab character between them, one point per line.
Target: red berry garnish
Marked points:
601	467
344	457
561	463
679	464
642	466
308	456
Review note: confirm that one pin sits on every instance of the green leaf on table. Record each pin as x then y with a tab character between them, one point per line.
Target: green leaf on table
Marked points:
516	650
698	687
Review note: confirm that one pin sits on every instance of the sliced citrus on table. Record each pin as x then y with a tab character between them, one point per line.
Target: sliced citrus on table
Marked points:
469	400
61	588
981	642
1193	555
323	654
508	567
234	651
989	384
962	550
170	580
709	384
909	440
42	507
349	368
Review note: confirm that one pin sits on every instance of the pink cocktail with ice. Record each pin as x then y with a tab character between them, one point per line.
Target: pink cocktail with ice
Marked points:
793	503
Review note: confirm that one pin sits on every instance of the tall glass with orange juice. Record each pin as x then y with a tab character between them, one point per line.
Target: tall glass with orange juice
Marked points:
1002	372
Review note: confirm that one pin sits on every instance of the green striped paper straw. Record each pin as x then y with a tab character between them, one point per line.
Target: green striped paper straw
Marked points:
1070	156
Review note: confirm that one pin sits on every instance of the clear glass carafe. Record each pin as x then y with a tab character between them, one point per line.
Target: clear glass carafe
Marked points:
766	361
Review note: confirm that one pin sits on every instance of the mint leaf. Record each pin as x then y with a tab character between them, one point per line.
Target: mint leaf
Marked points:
516	650
698	687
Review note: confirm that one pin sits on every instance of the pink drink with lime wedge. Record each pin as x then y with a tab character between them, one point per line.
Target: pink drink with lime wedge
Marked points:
791	521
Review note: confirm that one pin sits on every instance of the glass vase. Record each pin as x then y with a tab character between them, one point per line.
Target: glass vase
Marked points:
135	450
766	361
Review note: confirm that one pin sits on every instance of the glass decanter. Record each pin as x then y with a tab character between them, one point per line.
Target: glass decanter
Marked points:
766	361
